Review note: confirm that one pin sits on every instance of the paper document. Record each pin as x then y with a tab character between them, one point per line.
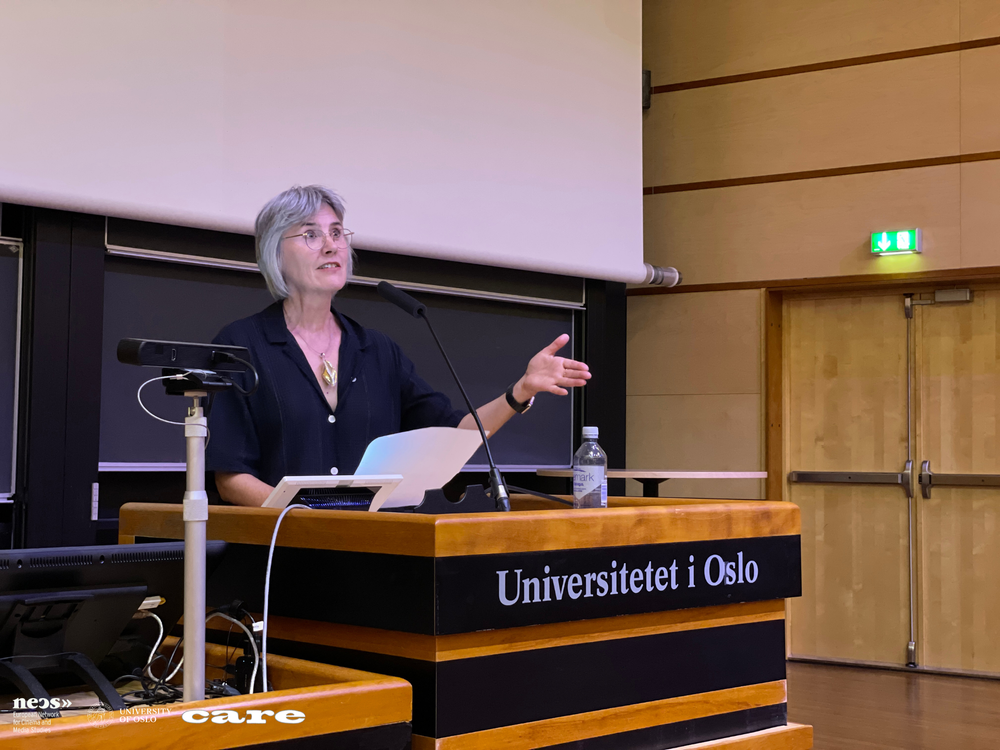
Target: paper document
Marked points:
427	458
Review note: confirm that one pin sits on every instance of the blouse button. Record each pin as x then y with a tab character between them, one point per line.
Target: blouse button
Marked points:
331	419
333	470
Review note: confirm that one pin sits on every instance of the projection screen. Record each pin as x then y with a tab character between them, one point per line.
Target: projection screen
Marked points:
500	132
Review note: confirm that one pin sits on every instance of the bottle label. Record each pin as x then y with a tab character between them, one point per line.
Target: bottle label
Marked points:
586	479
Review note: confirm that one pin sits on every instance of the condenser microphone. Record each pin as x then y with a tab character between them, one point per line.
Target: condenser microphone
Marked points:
405	302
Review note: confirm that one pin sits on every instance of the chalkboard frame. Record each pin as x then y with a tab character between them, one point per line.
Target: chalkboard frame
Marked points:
14	246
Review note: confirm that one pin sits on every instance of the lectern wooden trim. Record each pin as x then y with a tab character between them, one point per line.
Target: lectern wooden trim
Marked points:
643	625
479	533
343	709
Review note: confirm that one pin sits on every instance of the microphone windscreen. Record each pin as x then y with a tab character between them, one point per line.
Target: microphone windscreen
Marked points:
401	299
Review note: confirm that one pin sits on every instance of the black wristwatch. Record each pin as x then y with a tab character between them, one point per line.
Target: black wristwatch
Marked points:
518	406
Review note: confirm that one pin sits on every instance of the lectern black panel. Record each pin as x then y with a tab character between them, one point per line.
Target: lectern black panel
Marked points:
568	679
450	595
489	342
600	675
8	375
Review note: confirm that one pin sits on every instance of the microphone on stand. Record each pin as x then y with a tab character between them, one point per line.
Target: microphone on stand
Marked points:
407	304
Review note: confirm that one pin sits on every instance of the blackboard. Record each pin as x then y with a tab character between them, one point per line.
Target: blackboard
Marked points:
8	355
489	342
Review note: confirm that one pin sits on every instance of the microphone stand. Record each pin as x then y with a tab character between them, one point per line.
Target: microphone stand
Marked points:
190	370
196	385
407	303
195	527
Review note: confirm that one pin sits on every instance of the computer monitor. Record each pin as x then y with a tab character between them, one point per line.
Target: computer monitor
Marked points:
65	609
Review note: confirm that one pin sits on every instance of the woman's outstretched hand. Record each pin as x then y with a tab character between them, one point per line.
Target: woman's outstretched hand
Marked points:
551	373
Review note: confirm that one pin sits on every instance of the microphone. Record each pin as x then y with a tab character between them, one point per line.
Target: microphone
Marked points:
405	302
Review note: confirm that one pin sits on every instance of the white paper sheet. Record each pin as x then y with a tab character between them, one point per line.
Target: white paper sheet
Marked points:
427	458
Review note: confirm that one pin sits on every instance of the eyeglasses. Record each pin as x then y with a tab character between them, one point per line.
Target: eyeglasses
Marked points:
314	238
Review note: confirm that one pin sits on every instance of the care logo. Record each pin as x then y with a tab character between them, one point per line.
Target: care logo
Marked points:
252	716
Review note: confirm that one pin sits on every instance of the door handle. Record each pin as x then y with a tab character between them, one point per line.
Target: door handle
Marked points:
903	478
928	479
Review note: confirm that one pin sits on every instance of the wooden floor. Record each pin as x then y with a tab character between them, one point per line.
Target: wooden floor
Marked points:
853	708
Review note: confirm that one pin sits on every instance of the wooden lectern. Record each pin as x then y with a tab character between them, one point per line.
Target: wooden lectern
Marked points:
650	624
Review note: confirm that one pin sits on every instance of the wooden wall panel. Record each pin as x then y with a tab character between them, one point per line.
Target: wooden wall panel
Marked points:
696	433
892	111
804	228
694	343
688	40
981	214
980	100
980	19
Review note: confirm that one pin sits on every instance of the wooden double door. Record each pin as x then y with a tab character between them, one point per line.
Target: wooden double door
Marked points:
901	561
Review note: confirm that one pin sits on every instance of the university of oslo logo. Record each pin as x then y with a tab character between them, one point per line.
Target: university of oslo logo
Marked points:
100	715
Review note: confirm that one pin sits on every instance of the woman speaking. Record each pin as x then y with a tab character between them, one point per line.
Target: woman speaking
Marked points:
329	386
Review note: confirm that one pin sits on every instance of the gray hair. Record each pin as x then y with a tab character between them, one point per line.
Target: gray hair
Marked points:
294	206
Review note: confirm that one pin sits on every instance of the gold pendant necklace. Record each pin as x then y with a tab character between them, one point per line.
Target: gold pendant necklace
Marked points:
328	372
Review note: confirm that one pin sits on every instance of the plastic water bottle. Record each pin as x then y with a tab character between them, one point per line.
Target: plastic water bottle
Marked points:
590	481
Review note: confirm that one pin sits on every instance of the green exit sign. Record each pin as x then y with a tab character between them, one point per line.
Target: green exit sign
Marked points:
897	242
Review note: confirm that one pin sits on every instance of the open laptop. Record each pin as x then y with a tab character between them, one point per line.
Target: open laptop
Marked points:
395	472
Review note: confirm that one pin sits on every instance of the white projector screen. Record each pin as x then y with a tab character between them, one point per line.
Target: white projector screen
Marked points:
500	132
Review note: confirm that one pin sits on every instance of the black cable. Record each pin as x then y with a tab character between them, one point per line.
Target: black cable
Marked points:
256	377
523	491
151	693
166	670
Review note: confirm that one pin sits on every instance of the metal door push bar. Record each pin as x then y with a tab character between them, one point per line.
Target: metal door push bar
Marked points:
903	479
929	480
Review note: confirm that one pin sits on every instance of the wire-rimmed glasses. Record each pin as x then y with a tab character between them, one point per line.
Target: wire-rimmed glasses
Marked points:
314	237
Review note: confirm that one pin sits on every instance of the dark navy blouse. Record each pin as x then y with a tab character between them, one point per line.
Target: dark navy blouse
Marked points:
286	427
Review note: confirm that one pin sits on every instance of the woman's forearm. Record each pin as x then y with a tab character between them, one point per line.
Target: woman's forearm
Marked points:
493	416
242	489
497	412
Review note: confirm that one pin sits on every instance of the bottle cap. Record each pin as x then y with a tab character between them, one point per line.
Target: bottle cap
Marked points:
590	433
